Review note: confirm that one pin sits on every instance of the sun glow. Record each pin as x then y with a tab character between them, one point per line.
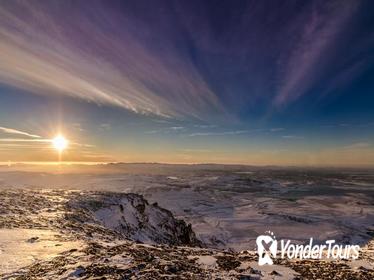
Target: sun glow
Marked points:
60	143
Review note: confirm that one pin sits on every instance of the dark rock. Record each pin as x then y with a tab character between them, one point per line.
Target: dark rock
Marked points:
276	273
249	277
227	262
33	239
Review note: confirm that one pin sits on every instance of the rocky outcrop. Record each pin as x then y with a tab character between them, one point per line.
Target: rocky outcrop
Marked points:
130	260
104	234
130	216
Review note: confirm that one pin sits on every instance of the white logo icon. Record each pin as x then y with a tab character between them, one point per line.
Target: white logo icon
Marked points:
266	248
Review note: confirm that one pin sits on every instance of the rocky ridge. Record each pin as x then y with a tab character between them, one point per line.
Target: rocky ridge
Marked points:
122	236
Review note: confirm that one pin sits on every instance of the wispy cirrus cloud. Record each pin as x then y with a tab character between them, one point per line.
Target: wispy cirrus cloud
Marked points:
301	67
39	143
171	61
166	130
347	125
202	126
32	140
275	129
236	132
100	56
292	137
176	128
358	145
17	132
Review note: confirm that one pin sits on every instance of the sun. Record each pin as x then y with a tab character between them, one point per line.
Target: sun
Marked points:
60	143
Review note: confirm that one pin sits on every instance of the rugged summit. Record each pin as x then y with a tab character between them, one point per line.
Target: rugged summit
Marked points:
132	217
104	235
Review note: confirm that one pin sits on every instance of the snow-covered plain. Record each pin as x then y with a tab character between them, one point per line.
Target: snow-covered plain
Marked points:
85	222
229	206
39	245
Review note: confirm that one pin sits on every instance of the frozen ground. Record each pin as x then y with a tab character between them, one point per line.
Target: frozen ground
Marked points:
89	222
229	206
63	234
22	247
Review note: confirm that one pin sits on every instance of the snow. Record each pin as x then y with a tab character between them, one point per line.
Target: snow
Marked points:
39	245
361	263
267	272
230	207
207	262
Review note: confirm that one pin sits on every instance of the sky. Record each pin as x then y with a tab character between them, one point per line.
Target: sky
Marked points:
247	82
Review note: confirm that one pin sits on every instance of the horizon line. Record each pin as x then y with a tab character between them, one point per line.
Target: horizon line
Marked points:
92	163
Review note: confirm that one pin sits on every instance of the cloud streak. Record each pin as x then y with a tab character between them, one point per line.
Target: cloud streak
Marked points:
97	56
300	67
358	145
292	137
276	129
236	132
25	140
17	132
179	60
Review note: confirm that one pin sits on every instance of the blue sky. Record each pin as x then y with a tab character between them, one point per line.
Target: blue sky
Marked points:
256	82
